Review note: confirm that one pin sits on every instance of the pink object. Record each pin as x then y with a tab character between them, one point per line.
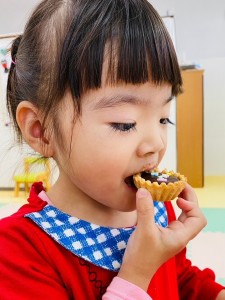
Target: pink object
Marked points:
161	179
120	289
45	198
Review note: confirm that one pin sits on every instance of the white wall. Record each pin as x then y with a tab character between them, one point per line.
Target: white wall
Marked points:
14	13
200	37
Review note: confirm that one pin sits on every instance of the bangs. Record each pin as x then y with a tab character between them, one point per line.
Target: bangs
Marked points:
128	37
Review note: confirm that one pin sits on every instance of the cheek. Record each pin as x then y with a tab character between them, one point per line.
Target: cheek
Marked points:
99	169
97	173
94	154
102	162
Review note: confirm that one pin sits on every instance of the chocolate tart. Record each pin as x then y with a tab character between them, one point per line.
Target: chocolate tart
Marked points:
163	185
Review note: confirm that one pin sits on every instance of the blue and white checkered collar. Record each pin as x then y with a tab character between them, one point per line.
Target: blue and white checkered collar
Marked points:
102	246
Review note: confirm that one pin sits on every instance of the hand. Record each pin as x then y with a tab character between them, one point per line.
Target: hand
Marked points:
151	245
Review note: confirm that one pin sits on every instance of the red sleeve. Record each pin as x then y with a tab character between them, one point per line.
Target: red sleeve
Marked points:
193	283
26	271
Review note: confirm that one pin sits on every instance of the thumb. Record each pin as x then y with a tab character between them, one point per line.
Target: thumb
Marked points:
145	208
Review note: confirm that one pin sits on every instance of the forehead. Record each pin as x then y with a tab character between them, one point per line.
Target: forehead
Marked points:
141	94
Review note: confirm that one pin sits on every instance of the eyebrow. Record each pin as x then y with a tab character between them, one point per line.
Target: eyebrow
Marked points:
108	102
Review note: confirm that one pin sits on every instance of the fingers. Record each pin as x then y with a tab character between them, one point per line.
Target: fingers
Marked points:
193	222
145	208
188	209
189	194
188	203
191	217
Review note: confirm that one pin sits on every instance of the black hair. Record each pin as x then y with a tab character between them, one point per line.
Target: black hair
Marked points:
66	42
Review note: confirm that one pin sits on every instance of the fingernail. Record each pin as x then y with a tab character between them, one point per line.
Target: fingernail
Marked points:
141	193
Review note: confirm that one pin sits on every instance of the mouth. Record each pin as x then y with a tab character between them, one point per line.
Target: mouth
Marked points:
130	181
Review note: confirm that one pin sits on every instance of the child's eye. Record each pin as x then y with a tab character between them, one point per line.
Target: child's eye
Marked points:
123	126
166	121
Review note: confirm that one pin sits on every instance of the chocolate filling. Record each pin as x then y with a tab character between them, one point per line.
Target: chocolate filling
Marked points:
158	177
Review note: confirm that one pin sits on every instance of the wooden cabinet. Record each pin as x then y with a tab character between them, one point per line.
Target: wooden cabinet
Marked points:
190	128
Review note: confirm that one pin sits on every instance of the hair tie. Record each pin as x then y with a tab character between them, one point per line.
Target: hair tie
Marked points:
14	48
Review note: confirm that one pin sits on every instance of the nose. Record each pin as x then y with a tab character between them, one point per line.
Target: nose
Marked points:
153	142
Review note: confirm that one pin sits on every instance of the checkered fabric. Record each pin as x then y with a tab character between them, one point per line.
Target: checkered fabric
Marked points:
102	246
160	214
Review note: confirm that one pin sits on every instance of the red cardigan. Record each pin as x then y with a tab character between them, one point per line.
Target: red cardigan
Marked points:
34	266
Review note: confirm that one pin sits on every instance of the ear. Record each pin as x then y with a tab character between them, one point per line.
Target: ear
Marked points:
29	120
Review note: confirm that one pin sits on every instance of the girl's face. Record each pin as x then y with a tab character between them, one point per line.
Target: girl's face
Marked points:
121	131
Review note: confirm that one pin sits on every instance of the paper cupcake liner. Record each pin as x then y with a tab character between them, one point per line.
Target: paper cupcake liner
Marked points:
162	191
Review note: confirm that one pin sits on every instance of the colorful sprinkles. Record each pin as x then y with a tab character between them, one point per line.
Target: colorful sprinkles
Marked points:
162	177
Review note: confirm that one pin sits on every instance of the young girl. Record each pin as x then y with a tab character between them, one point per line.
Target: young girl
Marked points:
90	85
